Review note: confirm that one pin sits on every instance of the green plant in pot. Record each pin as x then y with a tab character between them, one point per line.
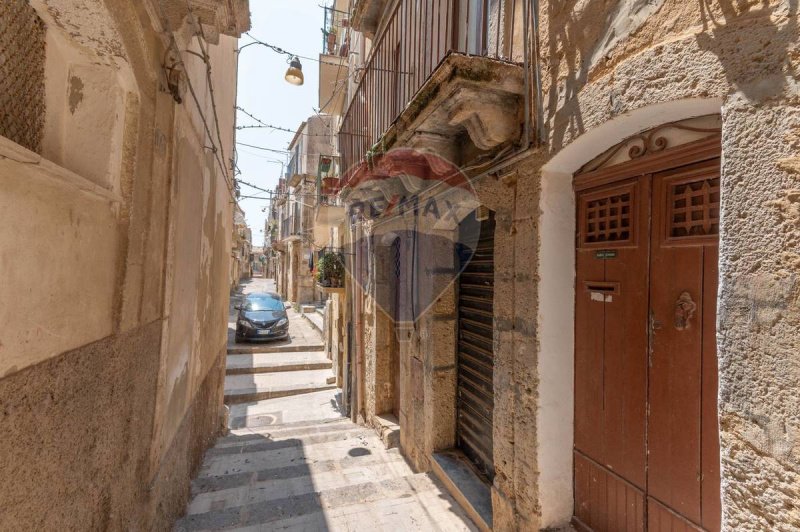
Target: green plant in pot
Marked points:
330	269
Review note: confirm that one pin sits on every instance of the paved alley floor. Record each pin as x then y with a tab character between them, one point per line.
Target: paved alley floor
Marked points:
294	463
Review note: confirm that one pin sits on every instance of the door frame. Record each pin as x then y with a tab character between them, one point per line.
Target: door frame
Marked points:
555	292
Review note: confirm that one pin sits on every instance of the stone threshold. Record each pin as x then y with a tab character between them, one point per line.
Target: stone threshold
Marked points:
388	428
474	495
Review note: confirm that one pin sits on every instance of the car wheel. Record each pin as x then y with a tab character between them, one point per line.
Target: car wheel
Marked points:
237	340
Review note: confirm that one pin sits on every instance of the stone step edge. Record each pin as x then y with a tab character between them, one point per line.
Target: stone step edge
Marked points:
277	368
313	325
244	429
289	429
354	494
244	349
469	492
250	396
258	446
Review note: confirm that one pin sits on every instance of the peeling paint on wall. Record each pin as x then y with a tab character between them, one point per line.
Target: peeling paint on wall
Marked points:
75	93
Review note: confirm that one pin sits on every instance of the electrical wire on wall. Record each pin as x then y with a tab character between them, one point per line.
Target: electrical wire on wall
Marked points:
216	146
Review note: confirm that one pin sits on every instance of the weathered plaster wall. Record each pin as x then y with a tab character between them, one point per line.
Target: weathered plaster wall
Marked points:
48	229
116	247
744	56
198	258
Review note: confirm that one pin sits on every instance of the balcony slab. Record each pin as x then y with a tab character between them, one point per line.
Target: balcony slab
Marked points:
472	98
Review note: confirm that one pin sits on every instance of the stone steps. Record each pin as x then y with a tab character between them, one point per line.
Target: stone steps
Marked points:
243	388
316	319
267	348
271	484
328	474
302	502
239	437
284	455
275	362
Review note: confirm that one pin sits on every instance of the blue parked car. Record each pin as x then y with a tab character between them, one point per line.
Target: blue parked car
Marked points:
262	316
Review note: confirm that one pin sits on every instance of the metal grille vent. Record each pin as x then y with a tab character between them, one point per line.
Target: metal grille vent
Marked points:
22	55
694	208
608	219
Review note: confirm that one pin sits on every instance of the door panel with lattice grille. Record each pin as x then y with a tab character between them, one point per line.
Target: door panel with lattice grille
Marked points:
646	439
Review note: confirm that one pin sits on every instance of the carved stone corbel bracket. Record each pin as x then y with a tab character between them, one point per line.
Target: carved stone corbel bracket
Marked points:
477	99
488	118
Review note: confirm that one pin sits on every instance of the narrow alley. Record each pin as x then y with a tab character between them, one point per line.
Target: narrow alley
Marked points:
291	460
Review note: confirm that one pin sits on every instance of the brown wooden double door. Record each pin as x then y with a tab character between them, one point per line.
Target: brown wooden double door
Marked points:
646	440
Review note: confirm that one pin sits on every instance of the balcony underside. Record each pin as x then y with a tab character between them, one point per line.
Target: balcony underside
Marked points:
333	72
226	17
295	179
367	16
470	107
326	217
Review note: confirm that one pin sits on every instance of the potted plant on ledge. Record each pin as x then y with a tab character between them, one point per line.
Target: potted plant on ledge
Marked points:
330	269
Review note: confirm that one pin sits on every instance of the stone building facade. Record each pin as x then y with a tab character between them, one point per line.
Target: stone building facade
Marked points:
115	144
296	198
683	119
241	249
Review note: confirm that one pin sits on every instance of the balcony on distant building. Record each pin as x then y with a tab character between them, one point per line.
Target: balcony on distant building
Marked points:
329	211
333	60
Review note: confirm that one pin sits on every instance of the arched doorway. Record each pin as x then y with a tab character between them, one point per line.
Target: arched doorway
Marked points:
646	445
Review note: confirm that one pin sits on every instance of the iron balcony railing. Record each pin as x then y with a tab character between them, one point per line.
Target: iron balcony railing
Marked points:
290	226
334	32
328	176
417	36
293	167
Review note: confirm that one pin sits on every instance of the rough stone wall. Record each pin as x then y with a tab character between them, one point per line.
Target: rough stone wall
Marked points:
81	460
606	63
291	271
746	55
514	494
759	316
428	354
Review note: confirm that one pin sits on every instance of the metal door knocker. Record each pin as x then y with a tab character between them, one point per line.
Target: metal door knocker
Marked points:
684	311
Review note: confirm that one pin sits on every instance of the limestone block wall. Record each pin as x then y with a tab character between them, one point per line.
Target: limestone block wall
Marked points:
610	70
427	350
667	61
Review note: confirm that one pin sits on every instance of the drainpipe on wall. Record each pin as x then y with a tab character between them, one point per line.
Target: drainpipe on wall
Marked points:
531	42
359	410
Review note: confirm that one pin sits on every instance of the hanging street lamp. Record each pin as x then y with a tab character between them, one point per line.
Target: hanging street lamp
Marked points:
294	74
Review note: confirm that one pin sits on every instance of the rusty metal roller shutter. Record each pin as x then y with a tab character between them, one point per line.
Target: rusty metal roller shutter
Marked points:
475	400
